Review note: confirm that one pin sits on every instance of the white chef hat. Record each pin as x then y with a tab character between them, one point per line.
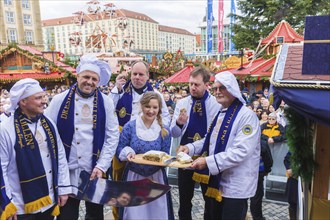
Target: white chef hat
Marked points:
92	63
227	79
22	89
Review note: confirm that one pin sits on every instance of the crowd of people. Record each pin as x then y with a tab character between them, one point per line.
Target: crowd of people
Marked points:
49	137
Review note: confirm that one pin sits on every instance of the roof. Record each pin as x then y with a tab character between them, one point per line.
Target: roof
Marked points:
174	30
283	29
59	70
135	15
39	76
91	17
259	67
180	77
183	75
288	68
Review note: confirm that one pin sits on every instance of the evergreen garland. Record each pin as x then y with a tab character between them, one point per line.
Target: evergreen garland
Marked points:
299	133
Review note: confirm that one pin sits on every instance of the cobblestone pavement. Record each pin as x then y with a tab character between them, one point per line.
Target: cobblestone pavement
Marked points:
272	210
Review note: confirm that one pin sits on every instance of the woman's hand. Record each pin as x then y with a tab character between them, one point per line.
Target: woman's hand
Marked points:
130	156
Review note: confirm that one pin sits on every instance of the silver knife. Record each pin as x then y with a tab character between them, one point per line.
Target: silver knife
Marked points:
170	160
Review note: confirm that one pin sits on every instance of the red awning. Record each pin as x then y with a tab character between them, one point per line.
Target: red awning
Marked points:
182	76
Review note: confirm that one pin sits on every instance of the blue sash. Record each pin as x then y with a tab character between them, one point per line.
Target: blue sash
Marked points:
7	207
197	125
30	168
65	123
203	176
124	105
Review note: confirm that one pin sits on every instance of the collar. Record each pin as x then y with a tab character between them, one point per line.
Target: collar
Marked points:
141	90
147	134
84	95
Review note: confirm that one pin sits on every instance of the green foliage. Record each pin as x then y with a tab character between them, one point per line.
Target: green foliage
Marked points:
259	17
68	61
299	135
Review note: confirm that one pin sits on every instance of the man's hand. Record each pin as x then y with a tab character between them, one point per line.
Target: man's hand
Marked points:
289	173
182	148
96	173
13	217
199	163
120	81
270	141
130	156
62	199
182	119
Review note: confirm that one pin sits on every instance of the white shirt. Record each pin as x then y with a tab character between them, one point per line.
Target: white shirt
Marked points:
136	108
9	166
212	107
239	163
81	152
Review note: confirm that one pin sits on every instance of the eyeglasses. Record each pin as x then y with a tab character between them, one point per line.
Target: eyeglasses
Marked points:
272	119
178	97
220	89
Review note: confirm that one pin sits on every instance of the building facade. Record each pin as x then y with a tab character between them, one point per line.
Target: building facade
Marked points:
172	39
114	31
119	31
225	36
20	22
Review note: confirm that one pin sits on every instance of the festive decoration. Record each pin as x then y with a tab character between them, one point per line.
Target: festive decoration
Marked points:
170	64
299	135
38	64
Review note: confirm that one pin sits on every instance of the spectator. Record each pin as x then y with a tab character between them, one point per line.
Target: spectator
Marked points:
272	132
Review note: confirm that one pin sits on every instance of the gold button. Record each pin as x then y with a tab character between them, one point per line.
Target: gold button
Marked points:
76	99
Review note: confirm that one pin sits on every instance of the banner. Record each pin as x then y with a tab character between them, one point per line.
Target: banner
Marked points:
209	27
119	193
220	27
232	22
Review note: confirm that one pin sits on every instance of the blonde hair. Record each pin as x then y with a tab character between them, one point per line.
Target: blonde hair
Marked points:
145	101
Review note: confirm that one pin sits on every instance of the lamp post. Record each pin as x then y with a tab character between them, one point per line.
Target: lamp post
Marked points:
241	52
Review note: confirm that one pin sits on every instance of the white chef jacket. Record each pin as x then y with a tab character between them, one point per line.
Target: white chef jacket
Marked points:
239	163
81	152
9	166
212	107
136	108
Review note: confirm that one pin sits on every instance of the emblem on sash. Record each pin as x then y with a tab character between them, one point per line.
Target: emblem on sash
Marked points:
247	129
198	107
122	112
197	137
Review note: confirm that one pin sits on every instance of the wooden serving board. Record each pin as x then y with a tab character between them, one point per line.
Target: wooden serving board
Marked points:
139	160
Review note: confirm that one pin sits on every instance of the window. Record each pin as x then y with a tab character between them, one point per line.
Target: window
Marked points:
12	35
8	2
25	4
29	37
26	19
10	17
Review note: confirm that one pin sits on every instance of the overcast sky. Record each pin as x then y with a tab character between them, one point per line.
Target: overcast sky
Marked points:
186	14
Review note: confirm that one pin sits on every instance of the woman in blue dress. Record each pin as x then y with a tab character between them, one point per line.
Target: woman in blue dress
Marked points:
146	133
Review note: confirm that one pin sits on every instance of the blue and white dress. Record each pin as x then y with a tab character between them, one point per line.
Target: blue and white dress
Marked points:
137	138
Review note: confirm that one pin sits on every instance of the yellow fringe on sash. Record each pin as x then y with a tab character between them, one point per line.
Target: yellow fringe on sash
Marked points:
56	210
10	210
37	204
214	193
201	178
